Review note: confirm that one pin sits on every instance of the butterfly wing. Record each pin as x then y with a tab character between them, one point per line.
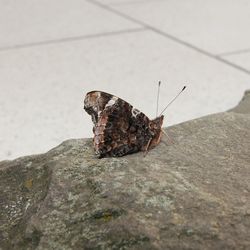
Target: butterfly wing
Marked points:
119	128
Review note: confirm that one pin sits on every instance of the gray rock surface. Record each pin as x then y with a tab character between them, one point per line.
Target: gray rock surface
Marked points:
189	194
244	105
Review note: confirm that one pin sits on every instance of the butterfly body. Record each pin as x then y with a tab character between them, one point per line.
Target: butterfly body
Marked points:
119	128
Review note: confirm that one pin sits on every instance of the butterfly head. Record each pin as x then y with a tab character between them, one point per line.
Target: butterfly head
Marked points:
156	129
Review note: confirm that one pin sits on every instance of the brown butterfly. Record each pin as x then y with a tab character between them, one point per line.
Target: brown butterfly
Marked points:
119	128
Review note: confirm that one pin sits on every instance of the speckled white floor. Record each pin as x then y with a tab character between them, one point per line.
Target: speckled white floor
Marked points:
53	52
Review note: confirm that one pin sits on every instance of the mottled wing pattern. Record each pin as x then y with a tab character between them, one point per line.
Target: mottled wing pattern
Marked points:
119	128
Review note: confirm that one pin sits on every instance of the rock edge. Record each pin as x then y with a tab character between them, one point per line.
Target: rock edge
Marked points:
191	194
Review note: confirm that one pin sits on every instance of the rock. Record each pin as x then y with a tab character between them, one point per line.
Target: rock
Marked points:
189	194
244	105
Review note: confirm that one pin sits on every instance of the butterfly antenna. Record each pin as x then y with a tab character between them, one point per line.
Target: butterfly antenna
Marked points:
173	100
157	101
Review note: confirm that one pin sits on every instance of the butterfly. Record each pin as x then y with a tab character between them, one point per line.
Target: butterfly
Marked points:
119	128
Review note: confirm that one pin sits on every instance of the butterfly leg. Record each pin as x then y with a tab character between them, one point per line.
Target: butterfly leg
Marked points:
147	147
170	139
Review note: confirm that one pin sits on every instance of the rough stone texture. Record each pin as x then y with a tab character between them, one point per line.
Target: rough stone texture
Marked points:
244	105
190	194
